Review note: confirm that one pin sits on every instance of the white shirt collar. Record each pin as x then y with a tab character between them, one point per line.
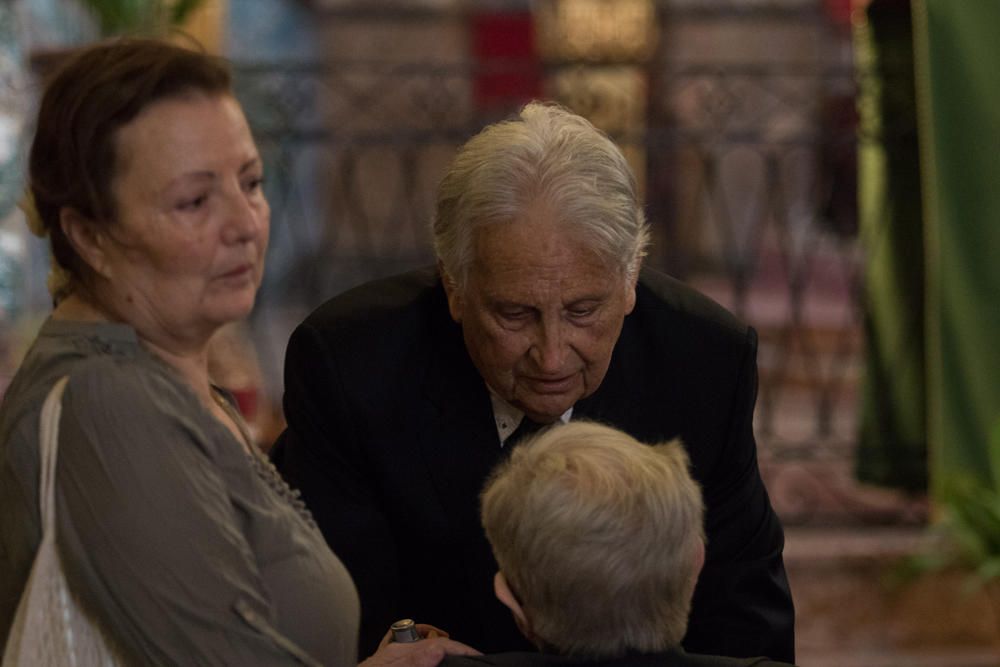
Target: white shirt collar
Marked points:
508	418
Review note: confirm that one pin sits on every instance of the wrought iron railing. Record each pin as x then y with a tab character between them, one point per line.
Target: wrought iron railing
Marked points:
748	169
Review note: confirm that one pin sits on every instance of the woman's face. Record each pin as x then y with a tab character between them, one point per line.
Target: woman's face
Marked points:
186	253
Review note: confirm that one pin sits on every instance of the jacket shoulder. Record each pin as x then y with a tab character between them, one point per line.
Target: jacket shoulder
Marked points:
667	302
387	304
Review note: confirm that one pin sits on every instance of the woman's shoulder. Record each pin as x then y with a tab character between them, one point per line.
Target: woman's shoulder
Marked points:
121	384
135	401
115	405
58	351
112	381
105	396
64	348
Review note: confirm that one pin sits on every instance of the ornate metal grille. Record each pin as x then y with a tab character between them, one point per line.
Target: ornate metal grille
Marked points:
749	175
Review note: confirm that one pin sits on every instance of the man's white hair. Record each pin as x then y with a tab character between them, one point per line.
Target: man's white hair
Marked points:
549	155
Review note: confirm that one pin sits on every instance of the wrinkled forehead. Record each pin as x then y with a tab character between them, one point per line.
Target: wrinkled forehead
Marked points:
538	241
147	125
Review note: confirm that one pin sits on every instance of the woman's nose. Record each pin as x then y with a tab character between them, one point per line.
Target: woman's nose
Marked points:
242	222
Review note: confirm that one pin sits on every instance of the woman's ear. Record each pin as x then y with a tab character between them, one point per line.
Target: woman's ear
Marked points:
87	239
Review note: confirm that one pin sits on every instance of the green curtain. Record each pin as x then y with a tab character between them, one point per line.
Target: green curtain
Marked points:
892	436
957	47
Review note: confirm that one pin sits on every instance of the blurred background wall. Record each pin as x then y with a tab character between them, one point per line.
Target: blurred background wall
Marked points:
777	146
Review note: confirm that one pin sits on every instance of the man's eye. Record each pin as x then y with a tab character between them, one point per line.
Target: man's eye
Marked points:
580	312
515	314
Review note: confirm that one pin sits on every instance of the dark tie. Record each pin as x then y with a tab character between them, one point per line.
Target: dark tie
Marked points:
526	428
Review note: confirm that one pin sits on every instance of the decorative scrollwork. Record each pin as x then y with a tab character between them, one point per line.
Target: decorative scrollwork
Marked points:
748	172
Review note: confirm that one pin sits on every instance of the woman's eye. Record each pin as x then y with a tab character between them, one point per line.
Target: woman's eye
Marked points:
254	184
192	204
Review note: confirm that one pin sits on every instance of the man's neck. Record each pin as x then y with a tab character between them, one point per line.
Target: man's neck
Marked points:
507	418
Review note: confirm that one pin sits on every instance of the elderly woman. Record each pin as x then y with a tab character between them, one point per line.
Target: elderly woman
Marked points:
176	536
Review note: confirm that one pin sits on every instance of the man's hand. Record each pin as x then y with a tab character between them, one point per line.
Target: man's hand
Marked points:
427	652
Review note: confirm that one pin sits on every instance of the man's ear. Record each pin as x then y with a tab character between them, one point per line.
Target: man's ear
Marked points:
87	239
502	590
451	290
630	295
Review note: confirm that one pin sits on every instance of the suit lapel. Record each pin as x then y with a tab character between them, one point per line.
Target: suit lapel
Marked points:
615	403
456	434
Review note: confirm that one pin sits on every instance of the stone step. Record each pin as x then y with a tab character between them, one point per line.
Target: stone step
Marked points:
852	609
948	658
824	492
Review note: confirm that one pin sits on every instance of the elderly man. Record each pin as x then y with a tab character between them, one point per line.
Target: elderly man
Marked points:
402	395
599	542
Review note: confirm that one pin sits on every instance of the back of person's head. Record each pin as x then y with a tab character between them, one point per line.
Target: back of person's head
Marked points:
544	155
599	537
98	90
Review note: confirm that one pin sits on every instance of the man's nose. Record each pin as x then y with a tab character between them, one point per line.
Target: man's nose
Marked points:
549	349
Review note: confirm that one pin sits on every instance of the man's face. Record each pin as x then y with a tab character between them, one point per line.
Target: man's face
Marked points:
540	314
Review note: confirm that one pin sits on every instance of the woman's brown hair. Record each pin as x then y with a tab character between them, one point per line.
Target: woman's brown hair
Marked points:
98	90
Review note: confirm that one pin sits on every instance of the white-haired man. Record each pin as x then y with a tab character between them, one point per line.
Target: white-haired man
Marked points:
403	394
599	542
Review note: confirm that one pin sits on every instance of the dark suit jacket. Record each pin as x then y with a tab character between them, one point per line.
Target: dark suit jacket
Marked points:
390	436
665	659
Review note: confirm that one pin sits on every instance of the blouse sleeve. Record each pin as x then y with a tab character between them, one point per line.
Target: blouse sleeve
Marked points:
150	541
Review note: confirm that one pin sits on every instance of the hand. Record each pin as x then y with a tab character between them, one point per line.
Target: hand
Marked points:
427	652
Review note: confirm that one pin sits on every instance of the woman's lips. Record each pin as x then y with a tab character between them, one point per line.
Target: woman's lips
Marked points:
239	274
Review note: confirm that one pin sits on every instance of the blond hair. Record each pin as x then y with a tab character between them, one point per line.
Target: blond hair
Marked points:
598	535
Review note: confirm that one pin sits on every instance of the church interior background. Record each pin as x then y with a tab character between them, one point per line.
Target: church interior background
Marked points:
743	121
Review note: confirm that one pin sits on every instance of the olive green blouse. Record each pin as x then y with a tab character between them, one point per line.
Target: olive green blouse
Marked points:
187	549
